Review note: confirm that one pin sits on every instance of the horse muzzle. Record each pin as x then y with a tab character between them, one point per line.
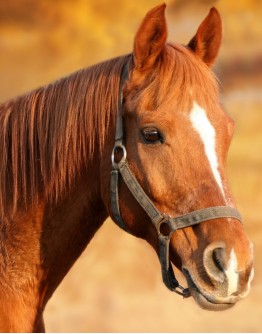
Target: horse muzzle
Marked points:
218	284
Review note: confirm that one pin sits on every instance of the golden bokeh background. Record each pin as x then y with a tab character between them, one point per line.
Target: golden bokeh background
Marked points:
116	285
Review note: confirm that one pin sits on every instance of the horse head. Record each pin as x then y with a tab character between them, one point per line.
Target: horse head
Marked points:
177	137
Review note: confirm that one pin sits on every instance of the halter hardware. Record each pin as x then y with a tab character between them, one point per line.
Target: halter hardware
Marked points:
115	159
161	221
163	228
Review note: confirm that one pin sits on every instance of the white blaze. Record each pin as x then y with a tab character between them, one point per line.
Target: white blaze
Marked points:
232	274
207	134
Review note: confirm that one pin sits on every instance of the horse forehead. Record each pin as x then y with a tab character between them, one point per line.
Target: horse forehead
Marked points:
172	114
207	126
176	109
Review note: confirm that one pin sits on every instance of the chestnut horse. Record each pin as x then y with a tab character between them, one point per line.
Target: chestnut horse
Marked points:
55	170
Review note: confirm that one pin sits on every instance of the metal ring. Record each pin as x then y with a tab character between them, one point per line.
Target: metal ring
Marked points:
114	163
165	221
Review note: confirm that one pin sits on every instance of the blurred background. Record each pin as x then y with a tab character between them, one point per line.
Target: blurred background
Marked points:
116	286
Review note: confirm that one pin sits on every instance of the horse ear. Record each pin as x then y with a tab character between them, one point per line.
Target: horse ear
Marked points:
208	38
150	38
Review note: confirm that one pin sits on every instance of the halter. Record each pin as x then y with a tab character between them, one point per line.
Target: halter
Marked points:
159	220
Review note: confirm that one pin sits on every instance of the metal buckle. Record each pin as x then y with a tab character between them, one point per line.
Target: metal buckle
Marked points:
115	161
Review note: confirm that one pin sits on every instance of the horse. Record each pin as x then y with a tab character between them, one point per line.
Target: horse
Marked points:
142	138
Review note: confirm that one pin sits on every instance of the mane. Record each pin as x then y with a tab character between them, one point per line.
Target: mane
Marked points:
49	134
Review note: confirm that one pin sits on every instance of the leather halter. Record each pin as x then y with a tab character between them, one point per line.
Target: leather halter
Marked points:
158	219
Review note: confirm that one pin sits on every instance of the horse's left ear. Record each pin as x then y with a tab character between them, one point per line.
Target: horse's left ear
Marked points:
150	38
206	42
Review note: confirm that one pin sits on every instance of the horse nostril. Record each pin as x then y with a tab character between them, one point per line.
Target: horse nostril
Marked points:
215	262
218	256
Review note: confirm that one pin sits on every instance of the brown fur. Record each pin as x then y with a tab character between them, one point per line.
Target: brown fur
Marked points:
55	147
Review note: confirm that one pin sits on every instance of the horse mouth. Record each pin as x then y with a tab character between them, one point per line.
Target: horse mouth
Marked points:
204	299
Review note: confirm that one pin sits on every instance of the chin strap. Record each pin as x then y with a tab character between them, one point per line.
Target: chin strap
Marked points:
168	275
160	220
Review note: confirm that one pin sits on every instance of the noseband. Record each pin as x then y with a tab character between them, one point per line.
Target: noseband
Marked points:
159	220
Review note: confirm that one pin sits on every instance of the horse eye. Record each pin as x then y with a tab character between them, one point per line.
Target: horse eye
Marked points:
152	136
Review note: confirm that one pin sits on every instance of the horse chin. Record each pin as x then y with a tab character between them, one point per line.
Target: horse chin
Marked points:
204	299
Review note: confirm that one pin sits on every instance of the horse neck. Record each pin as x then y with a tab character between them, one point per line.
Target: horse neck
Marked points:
73	223
43	241
41	245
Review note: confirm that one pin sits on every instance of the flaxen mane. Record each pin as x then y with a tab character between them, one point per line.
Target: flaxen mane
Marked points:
47	135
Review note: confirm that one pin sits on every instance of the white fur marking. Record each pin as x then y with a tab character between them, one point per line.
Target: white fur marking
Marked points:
207	133
232	274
